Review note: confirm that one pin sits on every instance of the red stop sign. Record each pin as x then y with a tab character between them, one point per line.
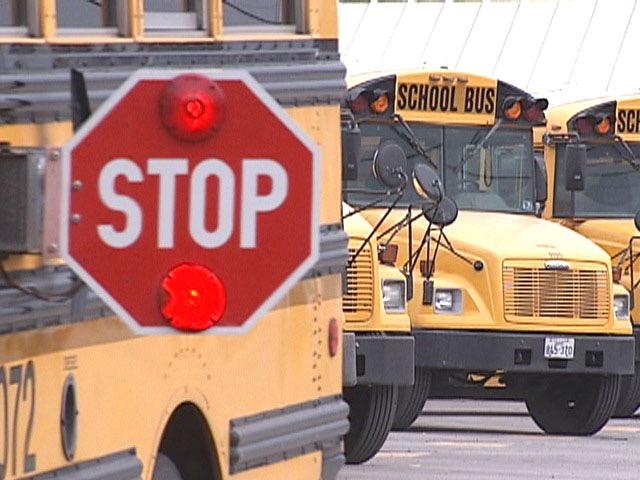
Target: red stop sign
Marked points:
190	202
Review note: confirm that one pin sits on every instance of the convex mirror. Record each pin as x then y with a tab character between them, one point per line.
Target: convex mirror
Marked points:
390	165
575	157
427	183
442	213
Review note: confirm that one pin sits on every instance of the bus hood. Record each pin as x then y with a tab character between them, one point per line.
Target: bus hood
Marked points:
499	236
520	237
611	234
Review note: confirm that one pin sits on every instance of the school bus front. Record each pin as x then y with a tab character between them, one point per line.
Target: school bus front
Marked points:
508	298
591	150
379	347
82	395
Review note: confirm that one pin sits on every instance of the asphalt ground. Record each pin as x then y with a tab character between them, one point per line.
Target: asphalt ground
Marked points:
482	440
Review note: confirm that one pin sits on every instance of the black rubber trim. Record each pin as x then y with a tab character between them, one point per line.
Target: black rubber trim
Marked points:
521	352
278	435
333	251
118	466
35	79
20	312
385	360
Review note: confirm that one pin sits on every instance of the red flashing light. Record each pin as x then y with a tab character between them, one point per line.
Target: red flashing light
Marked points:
192	107
360	104
584	125
534	114
196	297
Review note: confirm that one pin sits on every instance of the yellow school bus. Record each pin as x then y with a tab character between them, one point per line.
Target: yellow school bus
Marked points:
379	348
82	395
514	295
592	154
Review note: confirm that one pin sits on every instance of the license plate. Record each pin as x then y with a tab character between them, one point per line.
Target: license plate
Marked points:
562	348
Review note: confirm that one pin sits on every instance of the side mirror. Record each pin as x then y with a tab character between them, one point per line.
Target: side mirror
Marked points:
427	183
390	165
441	214
540	175
575	157
351	143
637	220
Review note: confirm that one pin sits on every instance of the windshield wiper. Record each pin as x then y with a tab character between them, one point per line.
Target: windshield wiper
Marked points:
412	139
475	143
632	159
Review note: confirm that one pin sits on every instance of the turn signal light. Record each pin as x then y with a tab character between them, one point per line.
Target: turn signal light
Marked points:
388	254
192	107
617	274
380	104
195	297
512	109
603	126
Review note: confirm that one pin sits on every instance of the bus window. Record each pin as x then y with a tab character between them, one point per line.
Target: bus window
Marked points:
76	17
15	16
175	17
258	13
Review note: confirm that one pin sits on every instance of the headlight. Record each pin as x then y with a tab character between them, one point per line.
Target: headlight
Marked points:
621	307
447	300
393	296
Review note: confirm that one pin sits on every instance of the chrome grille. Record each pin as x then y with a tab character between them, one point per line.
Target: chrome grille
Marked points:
571	294
357	302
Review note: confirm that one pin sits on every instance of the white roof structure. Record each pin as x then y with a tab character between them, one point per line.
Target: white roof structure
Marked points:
562	49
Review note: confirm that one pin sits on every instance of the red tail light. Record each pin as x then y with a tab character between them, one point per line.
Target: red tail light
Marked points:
192	107
196	298
334	337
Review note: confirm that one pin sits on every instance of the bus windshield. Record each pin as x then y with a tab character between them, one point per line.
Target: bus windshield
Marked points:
481	170
611	183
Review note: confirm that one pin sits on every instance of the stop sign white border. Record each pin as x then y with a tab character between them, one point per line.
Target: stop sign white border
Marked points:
104	110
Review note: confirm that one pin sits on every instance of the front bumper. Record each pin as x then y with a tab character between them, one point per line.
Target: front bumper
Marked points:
521	352
378	359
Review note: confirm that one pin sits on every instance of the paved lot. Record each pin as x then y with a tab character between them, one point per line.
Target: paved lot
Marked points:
466	439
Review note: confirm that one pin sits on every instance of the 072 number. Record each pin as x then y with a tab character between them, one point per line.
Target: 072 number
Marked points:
18	389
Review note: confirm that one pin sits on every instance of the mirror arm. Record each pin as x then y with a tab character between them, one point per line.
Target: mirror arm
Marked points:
432	264
449	246
395	229
373	231
415	256
362	208
409	276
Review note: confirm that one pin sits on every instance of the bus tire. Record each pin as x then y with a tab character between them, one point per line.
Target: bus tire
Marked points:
165	469
411	399
629	400
371	412
574	404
